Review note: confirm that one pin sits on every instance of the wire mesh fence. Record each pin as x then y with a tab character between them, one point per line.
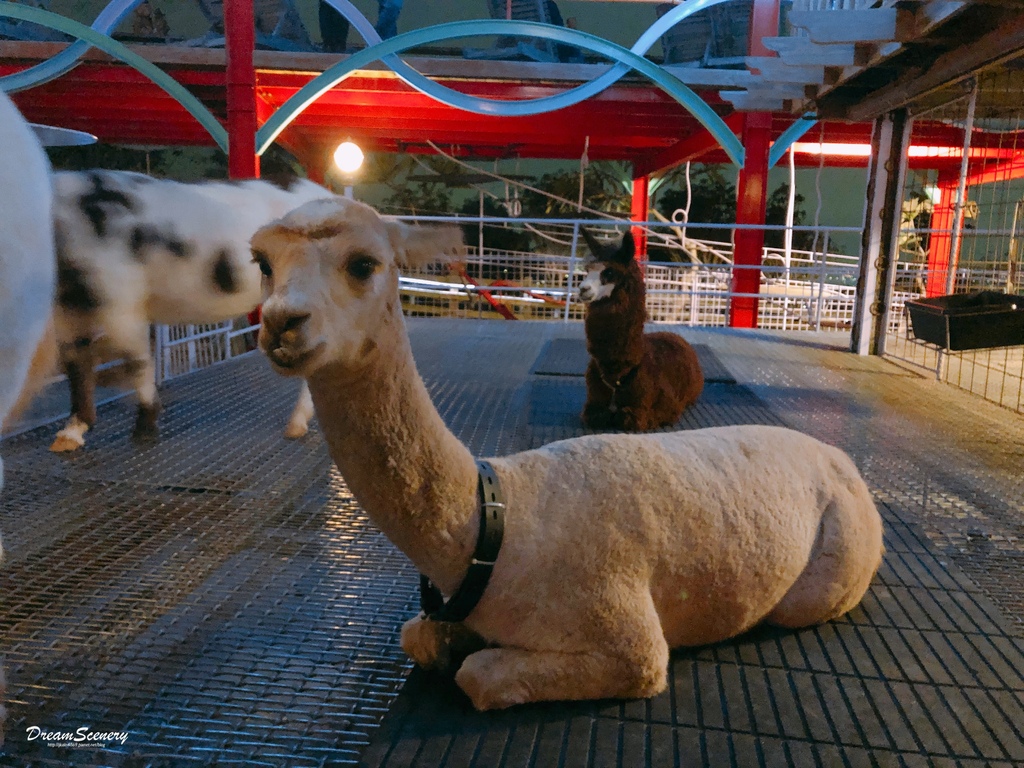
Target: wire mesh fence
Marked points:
961	231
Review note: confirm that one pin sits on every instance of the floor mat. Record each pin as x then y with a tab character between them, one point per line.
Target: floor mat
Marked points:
569	357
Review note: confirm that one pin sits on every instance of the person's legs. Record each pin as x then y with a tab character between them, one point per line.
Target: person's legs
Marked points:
387	17
333	29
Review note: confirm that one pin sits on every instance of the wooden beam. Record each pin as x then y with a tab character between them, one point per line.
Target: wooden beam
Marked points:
777	70
800	51
865	25
749	102
697	77
1003	42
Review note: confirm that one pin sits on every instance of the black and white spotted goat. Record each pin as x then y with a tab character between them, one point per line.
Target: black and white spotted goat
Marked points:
134	250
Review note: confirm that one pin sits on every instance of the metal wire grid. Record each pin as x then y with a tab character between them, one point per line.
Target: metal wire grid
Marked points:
929	670
221	610
226	622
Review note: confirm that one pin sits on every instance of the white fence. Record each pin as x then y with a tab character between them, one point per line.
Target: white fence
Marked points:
799	289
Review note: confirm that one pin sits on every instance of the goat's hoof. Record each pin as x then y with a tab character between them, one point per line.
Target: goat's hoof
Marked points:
295	431
145	433
64	443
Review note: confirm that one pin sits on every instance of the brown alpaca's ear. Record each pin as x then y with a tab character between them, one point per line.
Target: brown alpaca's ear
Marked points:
626	251
596	247
416	246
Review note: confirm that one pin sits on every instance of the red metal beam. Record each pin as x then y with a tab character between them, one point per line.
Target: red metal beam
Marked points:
638	212
752	186
240	42
941	242
689	148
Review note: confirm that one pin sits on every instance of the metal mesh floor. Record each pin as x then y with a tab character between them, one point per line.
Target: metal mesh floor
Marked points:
219	595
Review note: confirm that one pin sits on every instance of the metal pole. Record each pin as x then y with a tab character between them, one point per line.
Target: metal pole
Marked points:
572	270
958	218
821	282
961	190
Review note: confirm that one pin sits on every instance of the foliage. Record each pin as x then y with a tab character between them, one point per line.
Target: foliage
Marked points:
605	188
714	202
420	196
512	238
182	163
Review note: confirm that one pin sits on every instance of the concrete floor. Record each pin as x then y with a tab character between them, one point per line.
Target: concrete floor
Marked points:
220	596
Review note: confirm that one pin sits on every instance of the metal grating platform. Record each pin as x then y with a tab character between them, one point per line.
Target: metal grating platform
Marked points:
219	596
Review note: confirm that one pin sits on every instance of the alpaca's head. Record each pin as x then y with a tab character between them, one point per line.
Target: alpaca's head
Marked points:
608	267
331	280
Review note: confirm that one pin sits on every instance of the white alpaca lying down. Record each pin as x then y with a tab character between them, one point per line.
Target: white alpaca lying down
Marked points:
617	547
26	265
133	250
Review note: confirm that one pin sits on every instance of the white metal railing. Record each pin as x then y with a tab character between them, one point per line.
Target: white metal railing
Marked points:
799	289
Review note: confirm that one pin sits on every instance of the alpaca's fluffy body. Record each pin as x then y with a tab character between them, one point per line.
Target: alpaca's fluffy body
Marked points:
636	381
617	547
134	250
26	264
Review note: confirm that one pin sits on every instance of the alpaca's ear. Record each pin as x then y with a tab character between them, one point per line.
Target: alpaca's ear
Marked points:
596	247
626	251
416	246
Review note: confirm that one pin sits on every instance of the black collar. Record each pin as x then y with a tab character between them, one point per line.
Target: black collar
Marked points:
625	378
488	543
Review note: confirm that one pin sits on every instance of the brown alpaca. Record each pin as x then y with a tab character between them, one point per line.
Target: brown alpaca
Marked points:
636	381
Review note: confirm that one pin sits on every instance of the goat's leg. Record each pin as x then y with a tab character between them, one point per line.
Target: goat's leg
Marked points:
439	645
79	361
298	424
142	372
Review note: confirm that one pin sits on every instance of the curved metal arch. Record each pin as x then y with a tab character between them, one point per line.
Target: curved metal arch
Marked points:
515	109
789	137
45	71
108	45
337	73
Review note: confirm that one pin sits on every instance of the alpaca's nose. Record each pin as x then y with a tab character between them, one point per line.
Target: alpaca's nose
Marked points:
585	292
280	323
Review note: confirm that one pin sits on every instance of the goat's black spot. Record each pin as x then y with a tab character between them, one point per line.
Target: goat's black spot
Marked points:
141	240
224	272
94	202
177	247
73	289
144	238
283	181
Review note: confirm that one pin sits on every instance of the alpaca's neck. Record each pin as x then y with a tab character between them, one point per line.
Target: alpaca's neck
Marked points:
413	477
615	326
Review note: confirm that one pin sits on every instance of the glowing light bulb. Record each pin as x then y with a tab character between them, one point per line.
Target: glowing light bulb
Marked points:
348	157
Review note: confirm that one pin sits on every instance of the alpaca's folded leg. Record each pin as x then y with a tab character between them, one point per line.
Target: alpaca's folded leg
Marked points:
440	645
597	416
298	423
495	678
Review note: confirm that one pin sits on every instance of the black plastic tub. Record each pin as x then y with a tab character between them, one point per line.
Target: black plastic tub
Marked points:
976	320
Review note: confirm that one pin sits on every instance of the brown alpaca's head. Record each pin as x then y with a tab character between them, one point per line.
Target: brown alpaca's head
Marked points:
330	281
609	267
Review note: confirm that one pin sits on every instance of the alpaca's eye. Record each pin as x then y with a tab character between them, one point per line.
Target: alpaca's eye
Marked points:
608	275
264	265
361	267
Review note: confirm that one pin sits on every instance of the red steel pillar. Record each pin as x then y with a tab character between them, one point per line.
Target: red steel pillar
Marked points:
752	187
751	204
638	212
240	41
940	244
